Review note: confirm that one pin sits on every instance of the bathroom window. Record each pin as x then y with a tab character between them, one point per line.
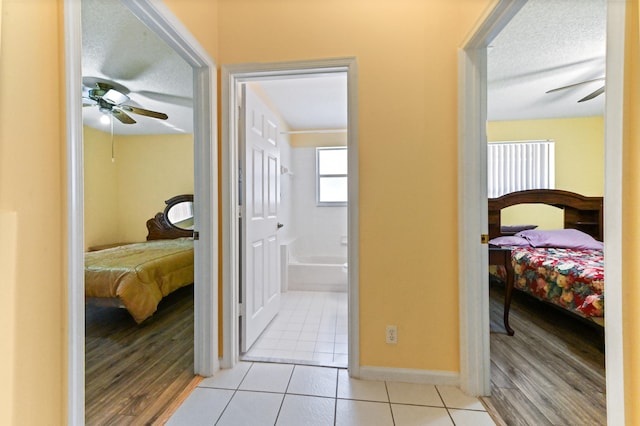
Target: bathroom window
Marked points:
331	176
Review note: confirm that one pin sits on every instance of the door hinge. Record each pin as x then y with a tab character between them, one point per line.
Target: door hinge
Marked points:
239	212
484	239
196	235
242	311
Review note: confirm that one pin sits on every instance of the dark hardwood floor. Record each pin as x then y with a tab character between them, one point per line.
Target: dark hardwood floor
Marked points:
551	372
135	372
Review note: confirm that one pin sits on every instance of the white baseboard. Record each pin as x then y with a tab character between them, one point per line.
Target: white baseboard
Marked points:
410	375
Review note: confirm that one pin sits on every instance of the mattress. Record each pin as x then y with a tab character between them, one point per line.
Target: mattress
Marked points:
140	274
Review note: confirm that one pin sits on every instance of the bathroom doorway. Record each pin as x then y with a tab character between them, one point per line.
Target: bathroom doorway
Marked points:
308	310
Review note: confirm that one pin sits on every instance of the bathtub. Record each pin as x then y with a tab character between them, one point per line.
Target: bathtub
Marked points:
317	273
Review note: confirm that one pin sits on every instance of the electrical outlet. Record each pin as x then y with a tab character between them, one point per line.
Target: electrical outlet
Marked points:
392	334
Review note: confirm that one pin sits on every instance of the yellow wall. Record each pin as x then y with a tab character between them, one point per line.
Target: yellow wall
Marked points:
407	151
579	150
31	188
100	189
153	169
121	195
631	215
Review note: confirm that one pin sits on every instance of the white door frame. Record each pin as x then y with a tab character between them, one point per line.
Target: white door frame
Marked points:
473	257
161	21
232	75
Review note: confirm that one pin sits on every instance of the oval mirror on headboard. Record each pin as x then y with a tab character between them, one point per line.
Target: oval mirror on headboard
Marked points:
175	222
179	213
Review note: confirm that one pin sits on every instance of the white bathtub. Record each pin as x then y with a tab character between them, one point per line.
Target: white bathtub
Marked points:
317	273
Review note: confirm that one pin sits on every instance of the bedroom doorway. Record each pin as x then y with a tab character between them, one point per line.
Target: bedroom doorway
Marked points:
473	256
298	162
119	330
161	22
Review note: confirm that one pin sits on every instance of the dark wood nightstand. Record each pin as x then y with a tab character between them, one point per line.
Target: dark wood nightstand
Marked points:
502	256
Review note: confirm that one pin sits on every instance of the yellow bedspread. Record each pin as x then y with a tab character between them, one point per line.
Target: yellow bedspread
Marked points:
140	274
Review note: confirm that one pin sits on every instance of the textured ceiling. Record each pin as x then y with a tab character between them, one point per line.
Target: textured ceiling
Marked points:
117	47
548	44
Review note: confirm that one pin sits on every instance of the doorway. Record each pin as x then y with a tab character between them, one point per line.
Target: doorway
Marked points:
162	22
293	250
474	353
263	78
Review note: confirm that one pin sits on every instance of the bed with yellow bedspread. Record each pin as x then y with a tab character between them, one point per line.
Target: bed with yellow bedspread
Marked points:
139	275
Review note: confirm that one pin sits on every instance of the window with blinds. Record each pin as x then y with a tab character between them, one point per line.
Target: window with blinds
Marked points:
520	165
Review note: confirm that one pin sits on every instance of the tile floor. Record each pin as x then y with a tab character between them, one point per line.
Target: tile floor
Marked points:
255	393
311	328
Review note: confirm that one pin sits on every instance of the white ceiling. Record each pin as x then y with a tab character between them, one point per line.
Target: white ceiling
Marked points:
311	102
548	44
117	47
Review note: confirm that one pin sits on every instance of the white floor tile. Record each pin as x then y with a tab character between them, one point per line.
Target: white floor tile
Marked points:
414	393
287	345
202	407
341	360
299	410
413	415
357	413
302	356
326	347
314	381
323	358
227	378
267	343
252	408
365	390
341	348
471	418
326	337
308	336
267	377
453	397
305	346
308	324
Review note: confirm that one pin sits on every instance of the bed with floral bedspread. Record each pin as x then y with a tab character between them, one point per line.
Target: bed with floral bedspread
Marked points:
570	278
564	267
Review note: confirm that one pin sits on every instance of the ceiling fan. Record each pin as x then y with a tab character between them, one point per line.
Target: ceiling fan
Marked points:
110	98
590	96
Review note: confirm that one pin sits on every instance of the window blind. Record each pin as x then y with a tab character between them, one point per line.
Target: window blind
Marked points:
520	165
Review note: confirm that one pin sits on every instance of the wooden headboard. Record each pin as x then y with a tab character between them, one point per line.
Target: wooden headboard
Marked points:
160	228
580	212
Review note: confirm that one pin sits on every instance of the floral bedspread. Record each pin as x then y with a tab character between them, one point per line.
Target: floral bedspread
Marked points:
572	279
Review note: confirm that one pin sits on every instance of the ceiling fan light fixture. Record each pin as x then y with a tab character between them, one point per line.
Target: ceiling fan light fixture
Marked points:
105	119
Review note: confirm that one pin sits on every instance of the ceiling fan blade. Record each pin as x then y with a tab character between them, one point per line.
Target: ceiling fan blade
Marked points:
103	84
593	94
122	116
88	102
146	112
574	85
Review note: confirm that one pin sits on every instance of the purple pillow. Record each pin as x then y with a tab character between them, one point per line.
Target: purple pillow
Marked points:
510	241
561	238
514	229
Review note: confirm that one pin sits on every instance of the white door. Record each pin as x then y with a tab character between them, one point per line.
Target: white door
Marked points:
260	159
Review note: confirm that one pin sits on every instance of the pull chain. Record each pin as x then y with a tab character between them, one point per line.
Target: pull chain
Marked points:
113	156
